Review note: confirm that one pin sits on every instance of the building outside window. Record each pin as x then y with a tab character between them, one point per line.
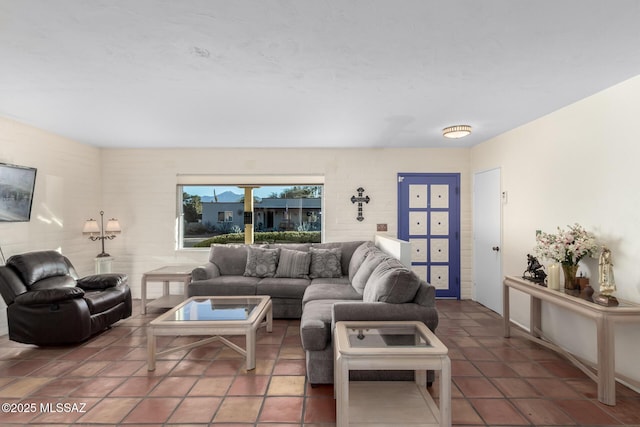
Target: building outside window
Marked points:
214	214
225	216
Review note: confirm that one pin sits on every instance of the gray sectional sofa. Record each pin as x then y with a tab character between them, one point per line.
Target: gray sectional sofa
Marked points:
320	283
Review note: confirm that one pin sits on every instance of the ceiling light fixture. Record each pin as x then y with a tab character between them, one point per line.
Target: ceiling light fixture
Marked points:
457	131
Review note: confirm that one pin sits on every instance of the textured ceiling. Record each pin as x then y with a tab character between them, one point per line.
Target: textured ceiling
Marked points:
332	73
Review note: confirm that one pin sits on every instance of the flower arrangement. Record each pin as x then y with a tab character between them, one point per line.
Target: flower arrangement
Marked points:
567	247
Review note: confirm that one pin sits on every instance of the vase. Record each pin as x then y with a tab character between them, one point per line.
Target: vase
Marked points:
570	271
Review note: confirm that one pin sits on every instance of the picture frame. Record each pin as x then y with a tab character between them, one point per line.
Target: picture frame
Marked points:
17	185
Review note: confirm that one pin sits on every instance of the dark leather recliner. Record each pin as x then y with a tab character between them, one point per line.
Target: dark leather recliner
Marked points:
48	304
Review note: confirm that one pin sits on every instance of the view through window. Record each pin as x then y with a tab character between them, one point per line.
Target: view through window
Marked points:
215	214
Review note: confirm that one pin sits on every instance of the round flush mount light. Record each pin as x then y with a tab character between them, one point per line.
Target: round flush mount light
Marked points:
457	131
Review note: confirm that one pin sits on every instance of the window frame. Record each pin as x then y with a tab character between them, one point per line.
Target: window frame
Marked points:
217	181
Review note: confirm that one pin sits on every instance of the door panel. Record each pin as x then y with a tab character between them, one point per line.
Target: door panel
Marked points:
418	223
487	235
439	250
417	196
418	249
439	223
440	276
429	218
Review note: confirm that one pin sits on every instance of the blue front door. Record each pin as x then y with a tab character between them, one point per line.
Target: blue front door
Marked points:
429	218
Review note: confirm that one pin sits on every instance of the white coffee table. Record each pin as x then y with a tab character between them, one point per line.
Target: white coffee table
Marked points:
212	316
390	346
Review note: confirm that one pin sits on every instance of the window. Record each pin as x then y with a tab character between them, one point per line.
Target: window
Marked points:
281	213
225	216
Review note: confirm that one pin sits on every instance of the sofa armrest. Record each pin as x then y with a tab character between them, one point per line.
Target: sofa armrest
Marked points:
98	282
205	272
382	311
49	296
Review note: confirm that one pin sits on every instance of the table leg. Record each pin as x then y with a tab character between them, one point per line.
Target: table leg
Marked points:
270	317
165	288
342	393
251	349
143	297
445	392
535	319
185	290
505	311
606	362
151	350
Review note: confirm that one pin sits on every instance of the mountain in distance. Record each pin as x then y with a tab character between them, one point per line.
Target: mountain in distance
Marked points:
226	196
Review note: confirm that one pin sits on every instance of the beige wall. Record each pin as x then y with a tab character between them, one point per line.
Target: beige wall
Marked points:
139	187
67	192
579	164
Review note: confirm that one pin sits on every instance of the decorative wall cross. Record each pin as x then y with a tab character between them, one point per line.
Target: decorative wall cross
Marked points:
360	200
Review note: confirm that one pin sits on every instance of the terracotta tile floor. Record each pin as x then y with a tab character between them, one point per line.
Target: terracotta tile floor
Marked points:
495	381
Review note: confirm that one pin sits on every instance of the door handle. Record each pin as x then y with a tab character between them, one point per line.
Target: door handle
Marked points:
496	248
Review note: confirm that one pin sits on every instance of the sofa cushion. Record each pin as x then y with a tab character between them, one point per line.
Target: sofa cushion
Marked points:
315	325
337	291
261	262
231	260
344	280
325	262
224	285
370	263
391	282
34	266
358	257
294	264
282	287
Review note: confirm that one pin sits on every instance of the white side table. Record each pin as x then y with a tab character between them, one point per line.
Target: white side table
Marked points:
166	275
103	264
390	346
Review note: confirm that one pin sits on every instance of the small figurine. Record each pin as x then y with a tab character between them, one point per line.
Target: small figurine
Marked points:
534	271
607	282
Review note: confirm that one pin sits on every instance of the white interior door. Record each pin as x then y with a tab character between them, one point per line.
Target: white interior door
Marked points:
487	238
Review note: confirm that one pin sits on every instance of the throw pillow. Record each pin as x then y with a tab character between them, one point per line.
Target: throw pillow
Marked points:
293	264
231	260
359	256
391	282
261	262
325	263
373	259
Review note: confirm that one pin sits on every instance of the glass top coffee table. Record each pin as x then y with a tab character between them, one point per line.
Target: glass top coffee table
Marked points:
390	346
212	316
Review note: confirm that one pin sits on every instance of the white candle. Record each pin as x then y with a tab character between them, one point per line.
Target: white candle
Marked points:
553	279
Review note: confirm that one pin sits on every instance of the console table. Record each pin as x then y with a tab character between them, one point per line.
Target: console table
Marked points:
604	317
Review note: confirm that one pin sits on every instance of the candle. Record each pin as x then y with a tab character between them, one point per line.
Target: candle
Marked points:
553	280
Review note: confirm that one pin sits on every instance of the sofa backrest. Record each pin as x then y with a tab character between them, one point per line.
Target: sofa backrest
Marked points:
43	270
232	259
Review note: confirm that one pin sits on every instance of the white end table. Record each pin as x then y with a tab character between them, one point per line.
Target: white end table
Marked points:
374	345
166	275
